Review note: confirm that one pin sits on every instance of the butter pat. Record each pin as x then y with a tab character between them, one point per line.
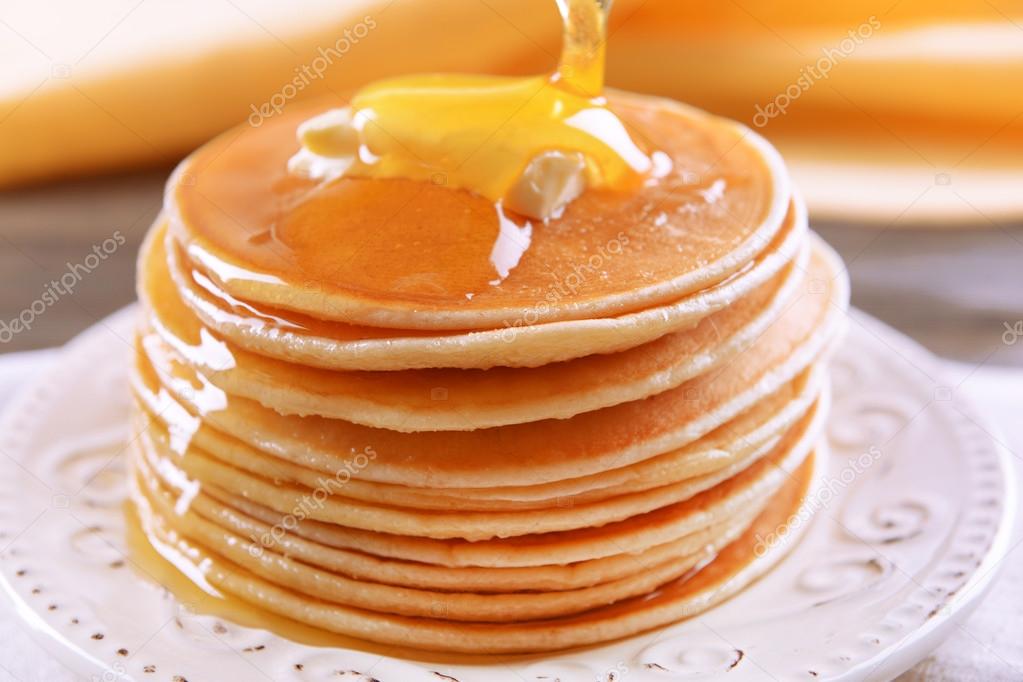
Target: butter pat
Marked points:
332	134
528	144
549	183
315	167
330	143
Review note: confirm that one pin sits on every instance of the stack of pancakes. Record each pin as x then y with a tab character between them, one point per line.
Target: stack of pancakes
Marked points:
356	410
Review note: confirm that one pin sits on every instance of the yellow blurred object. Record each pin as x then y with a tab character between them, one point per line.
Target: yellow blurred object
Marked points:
917	103
906	111
793	66
109	84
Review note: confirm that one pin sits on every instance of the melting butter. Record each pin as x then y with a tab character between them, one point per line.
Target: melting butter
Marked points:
531	144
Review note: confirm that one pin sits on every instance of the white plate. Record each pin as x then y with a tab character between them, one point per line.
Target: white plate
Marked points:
914	519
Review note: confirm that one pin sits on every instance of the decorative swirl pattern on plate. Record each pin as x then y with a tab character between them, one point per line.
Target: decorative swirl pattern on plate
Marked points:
869	420
891	522
837	577
693	660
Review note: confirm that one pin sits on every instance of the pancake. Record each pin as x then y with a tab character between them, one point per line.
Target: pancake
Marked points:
415	255
479	579
520	454
750	487
458	604
730	571
408	400
380	406
756	430
334	507
314	342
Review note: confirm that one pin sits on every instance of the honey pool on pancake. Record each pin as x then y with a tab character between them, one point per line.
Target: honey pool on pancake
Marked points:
427	247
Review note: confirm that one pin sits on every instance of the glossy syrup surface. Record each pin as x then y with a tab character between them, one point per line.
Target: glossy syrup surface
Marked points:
417	225
426	247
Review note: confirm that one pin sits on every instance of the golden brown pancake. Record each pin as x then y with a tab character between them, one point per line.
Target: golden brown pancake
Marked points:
562	515
337	345
729	572
527	603
517	455
447	399
520	454
387	409
414	255
754	431
481	580
752	485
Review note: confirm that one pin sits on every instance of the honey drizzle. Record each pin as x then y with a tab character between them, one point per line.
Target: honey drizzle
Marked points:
582	53
532	143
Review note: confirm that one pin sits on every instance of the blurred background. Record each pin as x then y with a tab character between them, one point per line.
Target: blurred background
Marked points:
902	121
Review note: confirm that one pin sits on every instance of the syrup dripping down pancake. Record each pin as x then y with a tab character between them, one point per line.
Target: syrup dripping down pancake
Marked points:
359	563
455	604
337	508
521	454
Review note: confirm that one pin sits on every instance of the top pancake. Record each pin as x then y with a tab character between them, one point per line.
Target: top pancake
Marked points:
412	255
310	341
409	401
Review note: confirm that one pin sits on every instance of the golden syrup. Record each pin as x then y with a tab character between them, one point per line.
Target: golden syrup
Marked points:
426	225
532	143
423	254
411	248
181	575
